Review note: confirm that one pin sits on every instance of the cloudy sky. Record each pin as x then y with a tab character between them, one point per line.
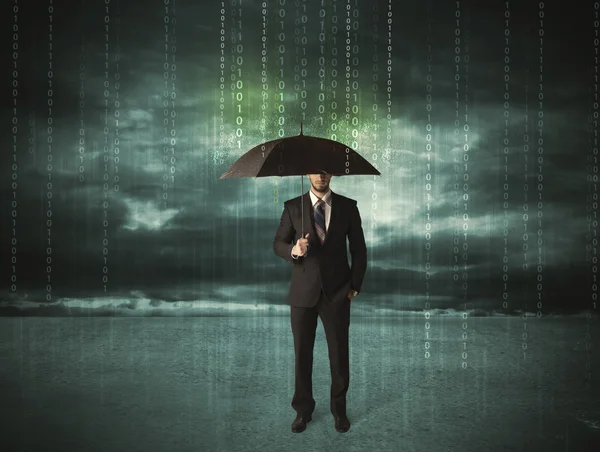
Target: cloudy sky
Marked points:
165	232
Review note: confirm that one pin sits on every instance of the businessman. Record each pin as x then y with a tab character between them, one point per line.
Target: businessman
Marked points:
323	285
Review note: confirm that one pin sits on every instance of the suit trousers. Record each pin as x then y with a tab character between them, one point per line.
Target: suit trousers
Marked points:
336	323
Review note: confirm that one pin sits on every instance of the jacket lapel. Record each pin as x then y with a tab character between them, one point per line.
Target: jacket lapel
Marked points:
332	217
309	220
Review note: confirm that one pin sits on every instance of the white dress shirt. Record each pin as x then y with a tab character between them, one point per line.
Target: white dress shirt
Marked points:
326	208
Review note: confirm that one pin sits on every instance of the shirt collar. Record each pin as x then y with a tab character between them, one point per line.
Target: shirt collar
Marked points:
326	197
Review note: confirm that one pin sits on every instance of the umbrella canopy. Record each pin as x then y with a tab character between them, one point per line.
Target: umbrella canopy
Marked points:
299	155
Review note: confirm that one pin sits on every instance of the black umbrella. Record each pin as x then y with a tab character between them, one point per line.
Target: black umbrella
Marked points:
297	156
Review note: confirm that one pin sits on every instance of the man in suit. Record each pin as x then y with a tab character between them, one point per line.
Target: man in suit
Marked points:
323	285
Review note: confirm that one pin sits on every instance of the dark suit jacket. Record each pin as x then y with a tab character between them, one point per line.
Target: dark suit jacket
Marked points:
324	265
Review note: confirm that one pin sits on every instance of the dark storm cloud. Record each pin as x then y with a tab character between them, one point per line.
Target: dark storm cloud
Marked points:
213	240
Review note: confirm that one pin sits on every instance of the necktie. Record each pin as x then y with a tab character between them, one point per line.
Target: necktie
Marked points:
320	220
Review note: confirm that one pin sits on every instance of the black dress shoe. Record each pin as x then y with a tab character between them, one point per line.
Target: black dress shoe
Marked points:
299	425
342	424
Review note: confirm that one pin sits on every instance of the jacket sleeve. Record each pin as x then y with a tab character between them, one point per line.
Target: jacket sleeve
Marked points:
284	238
358	250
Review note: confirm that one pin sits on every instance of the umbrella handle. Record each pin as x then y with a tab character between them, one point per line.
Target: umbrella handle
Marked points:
302	203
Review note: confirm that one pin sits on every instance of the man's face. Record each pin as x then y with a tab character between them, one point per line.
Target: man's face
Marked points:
319	182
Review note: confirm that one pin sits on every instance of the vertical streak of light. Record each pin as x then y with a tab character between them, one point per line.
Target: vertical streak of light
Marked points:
49	140
428	186
525	209
465	196
15	130
593	205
